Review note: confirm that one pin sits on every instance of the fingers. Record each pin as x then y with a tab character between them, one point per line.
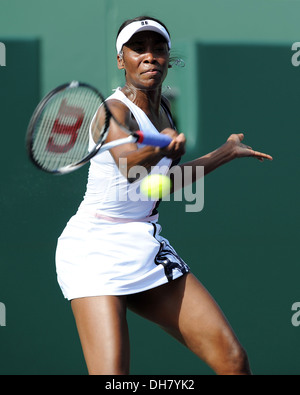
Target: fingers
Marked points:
176	148
236	137
261	156
170	132
243	150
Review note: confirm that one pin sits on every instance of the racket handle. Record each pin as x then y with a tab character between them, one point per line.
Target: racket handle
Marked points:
157	140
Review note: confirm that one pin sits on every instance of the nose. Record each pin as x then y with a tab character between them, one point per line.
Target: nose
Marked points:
149	56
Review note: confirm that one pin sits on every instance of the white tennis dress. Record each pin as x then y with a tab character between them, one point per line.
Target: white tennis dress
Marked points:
112	245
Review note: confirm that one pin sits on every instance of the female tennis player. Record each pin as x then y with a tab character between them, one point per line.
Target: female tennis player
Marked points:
111	256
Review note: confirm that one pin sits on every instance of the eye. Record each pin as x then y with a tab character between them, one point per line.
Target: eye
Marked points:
161	48
136	46
138	49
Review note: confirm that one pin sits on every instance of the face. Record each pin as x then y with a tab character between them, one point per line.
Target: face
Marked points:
145	60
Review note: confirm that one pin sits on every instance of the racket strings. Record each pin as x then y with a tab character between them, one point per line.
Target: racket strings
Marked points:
60	135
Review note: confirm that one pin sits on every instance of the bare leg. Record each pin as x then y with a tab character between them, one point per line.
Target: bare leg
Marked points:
186	310
103	331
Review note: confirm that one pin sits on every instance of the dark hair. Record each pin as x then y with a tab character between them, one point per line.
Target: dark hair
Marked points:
140	18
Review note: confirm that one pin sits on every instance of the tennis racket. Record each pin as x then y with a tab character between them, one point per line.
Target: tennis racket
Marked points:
57	137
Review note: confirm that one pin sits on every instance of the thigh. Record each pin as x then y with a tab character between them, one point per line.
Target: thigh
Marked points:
102	327
186	310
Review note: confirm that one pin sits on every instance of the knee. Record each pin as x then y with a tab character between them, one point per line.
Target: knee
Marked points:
236	361
108	369
107	372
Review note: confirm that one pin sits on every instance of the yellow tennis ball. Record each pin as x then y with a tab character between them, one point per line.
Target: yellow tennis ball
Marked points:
156	186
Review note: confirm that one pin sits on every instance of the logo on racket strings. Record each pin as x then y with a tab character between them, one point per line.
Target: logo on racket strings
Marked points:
2	54
65	128
2	314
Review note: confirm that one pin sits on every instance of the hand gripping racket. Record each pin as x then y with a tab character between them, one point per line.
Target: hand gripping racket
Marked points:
57	138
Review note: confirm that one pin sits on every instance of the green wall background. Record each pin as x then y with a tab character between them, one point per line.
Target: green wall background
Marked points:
238	77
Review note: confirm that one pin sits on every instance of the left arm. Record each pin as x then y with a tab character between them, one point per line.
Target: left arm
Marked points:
232	149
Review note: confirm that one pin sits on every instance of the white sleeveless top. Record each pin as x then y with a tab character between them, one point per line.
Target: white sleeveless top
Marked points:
113	245
108	192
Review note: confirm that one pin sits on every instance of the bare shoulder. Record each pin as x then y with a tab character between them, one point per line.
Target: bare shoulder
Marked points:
119	111
122	114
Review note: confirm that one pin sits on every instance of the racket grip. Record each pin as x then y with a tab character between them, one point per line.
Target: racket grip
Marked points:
157	140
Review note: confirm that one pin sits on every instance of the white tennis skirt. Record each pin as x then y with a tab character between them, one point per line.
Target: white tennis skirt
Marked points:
96	257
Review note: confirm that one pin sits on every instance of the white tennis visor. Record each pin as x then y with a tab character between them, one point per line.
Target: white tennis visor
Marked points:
139	26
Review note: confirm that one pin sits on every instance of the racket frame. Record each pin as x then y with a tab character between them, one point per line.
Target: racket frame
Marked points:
134	136
36	114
